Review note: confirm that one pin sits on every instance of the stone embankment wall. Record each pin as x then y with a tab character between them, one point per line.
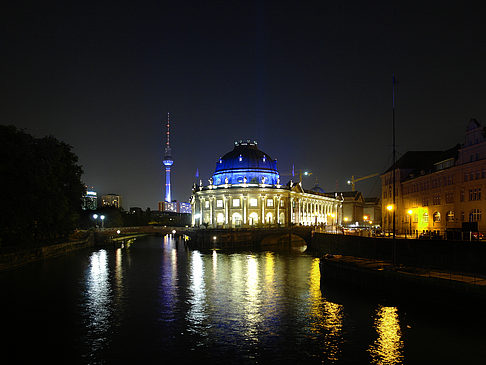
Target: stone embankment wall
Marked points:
460	256
21	257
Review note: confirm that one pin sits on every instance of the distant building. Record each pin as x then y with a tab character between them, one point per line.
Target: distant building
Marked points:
372	209
89	200
111	200
438	191
353	208
175	207
136	210
185	208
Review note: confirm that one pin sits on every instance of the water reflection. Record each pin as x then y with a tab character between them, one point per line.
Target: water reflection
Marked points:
326	317
98	300
169	280
388	347
252	299
196	313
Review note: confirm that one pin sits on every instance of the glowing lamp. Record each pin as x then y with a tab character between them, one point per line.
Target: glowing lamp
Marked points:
389	207
410	212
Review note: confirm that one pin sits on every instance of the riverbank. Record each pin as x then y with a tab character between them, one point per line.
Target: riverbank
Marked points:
23	256
382	278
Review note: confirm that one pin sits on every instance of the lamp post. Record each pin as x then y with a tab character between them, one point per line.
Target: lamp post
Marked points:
102	217
410	212
389	207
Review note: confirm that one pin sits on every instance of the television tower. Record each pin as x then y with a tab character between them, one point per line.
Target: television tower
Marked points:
167	162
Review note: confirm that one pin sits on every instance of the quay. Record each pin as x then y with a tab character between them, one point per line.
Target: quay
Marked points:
406	282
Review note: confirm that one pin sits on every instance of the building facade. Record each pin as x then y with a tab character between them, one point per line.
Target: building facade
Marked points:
245	191
111	200
89	200
438	191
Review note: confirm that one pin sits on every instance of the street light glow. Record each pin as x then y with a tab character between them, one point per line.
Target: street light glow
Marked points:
389	207
95	216
410	212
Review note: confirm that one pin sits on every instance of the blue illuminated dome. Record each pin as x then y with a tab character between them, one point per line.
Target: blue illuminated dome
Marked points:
246	161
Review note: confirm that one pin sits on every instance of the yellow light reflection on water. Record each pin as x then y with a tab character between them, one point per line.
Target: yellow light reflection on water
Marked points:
388	347
252	298
326	317
269	268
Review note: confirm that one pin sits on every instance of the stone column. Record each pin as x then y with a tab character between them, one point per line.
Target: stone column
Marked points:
211	211
225	203
245	208
201	203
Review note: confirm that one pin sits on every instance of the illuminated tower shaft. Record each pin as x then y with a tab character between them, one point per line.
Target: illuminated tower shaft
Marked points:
167	162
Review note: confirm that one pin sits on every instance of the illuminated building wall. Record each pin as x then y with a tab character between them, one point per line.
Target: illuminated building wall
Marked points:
111	200
89	201
176	207
245	191
439	190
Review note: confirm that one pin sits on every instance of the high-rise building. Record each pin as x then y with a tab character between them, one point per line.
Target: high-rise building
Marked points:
111	200
89	201
167	162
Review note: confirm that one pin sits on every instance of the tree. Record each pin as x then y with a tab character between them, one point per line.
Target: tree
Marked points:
43	188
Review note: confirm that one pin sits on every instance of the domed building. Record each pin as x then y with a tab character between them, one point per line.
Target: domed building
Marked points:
245	191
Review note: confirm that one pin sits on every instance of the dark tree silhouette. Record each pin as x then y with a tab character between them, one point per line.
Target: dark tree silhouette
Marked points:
42	188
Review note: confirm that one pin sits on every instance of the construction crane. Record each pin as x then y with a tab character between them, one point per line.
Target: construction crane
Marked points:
353	181
300	173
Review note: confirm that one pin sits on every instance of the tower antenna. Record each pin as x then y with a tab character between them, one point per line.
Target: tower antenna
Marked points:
167	162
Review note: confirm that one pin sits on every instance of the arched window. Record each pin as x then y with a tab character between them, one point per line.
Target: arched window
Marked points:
426	217
436	217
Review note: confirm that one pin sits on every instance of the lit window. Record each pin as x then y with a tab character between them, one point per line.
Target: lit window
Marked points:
269	202
253	202
206	204
436	217
236	203
475	215
281	203
426	217
219	203
450	216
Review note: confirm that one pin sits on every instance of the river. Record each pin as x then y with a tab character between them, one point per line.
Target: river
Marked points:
155	300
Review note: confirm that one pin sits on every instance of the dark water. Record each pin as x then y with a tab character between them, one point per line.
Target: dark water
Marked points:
155	300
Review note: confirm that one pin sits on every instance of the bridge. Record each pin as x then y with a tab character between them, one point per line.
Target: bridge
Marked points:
215	238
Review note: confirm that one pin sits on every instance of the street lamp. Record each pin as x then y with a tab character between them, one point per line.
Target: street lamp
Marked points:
410	212
389	207
102	217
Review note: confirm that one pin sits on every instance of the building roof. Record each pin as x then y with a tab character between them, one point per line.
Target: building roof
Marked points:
246	161
423	160
318	189
246	155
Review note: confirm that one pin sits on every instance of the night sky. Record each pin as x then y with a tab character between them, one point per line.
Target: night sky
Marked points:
311	82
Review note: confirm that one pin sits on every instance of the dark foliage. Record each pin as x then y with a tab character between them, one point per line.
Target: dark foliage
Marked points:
42	188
